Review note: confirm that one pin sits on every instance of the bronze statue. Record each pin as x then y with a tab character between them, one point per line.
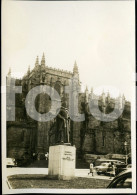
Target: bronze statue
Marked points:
63	126
59	131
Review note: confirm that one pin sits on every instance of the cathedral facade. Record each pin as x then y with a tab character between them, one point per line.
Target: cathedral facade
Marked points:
93	136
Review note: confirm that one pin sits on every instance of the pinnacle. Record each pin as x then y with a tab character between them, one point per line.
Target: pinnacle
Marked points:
9	71
120	95
103	92
86	88
75	68
43	60
37	61
108	93
75	63
29	69
43	55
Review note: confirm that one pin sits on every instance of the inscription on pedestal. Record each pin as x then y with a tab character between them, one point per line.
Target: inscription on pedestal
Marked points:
68	156
62	162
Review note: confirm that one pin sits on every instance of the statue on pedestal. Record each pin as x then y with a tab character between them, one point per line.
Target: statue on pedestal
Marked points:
63	126
59	132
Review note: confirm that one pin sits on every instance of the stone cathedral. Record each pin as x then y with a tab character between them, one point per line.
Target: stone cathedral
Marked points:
91	136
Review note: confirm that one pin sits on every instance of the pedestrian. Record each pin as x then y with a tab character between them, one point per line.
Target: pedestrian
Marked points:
34	155
112	173
38	156
47	155
91	169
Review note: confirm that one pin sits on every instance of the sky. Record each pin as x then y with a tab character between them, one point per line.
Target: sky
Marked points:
99	35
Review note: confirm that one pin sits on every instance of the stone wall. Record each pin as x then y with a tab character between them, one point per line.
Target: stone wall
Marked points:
20	140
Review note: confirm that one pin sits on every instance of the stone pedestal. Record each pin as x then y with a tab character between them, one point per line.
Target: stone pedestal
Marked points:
62	160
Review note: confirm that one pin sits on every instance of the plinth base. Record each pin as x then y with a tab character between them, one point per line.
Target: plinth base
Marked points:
62	160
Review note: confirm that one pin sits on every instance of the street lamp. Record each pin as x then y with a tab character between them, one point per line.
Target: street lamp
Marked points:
125	144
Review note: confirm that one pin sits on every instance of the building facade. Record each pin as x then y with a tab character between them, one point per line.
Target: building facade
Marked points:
26	136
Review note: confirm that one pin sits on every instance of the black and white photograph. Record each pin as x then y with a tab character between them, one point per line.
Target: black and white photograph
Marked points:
68	97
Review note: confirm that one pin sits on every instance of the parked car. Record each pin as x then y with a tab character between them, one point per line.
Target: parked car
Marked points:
11	162
103	160
122	180
103	168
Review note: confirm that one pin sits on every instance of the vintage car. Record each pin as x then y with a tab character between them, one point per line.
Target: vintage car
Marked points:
11	162
104	160
122	180
103	168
